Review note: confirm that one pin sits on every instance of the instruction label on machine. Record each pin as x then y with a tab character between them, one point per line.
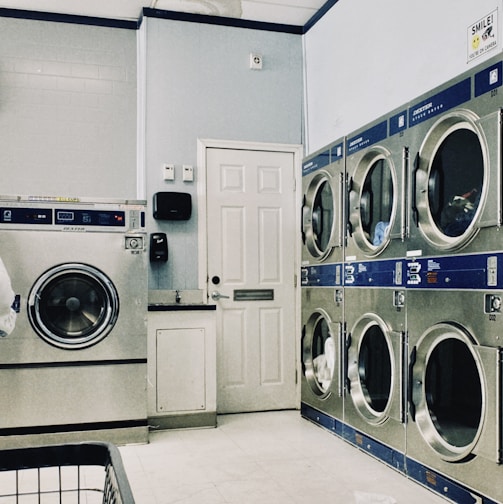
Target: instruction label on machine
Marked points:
483	35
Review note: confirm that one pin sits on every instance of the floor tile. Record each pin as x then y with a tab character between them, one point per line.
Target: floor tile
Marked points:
266	458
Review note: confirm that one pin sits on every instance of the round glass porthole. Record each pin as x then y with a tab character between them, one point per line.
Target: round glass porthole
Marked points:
372	202
370	369
448	392
450	181
318	354
319	217
73	306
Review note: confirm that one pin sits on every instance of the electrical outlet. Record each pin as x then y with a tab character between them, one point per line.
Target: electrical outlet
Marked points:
255	61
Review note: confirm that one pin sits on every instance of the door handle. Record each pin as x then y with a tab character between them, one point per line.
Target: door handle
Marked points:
215	295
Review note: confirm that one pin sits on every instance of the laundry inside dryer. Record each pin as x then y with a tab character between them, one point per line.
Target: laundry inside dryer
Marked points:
455	182
376	202
323	356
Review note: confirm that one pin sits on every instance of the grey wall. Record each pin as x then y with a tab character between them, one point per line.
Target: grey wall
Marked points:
67	109
198	85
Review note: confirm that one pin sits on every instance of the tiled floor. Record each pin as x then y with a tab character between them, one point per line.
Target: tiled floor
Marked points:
266	458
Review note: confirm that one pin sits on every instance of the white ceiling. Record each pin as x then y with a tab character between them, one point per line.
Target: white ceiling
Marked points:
290	12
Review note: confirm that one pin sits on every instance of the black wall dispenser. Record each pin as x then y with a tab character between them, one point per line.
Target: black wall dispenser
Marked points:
172	206
158	247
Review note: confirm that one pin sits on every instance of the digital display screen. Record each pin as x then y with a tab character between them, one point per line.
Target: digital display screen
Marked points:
109	218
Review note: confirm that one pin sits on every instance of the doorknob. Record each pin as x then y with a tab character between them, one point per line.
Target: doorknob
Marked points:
215	295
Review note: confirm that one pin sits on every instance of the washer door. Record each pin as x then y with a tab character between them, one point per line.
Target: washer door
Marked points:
374	369
321	219
372	201
451	380
320	353
455	171
73	306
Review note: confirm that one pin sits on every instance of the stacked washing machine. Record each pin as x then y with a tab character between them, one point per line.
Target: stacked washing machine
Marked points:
414	322
321	287
374	288
455	286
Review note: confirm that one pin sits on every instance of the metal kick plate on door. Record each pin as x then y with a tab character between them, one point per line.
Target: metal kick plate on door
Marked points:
254	295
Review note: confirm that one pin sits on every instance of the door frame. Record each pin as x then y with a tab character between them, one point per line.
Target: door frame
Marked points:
297	150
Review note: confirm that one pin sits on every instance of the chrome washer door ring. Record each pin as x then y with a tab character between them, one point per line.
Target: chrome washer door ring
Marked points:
73	306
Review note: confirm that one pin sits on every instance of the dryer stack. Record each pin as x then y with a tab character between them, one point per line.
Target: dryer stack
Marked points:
419	369
454	284
376	167
321	286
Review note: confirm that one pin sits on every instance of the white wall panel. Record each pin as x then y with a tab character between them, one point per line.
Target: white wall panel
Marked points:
364	58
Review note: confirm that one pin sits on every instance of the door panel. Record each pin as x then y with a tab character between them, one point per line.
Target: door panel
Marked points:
251	244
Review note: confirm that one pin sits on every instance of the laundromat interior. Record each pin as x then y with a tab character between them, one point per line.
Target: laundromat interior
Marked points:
256	246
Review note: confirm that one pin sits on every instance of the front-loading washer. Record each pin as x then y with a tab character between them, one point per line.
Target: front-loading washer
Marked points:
454	429
376	166
375	353
455	203
322	385
323	206
74	367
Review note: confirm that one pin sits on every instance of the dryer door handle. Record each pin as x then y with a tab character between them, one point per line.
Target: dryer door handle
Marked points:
412	406
415	213
349	190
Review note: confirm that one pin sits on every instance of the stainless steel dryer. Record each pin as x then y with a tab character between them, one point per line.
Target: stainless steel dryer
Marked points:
455	184
322	338
322	206
374	409
376	165
454	429
74	367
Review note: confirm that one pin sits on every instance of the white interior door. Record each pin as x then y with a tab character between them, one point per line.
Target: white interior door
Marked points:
251	260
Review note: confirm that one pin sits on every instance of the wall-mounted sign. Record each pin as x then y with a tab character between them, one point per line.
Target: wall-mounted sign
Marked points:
483	35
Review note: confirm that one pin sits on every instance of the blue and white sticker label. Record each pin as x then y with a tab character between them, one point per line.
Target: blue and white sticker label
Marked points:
381	273
441	102
315	163
337	152
321	275
477	271
398	123
488	79
367	138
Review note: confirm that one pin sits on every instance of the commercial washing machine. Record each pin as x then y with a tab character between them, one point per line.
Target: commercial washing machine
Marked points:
375	353
322	206
75	365
454	443
322	386
455	151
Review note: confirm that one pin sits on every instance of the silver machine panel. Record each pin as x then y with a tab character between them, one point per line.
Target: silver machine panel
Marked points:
375	353
455	183
79	271
376	166
322	206
454	392
322	385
